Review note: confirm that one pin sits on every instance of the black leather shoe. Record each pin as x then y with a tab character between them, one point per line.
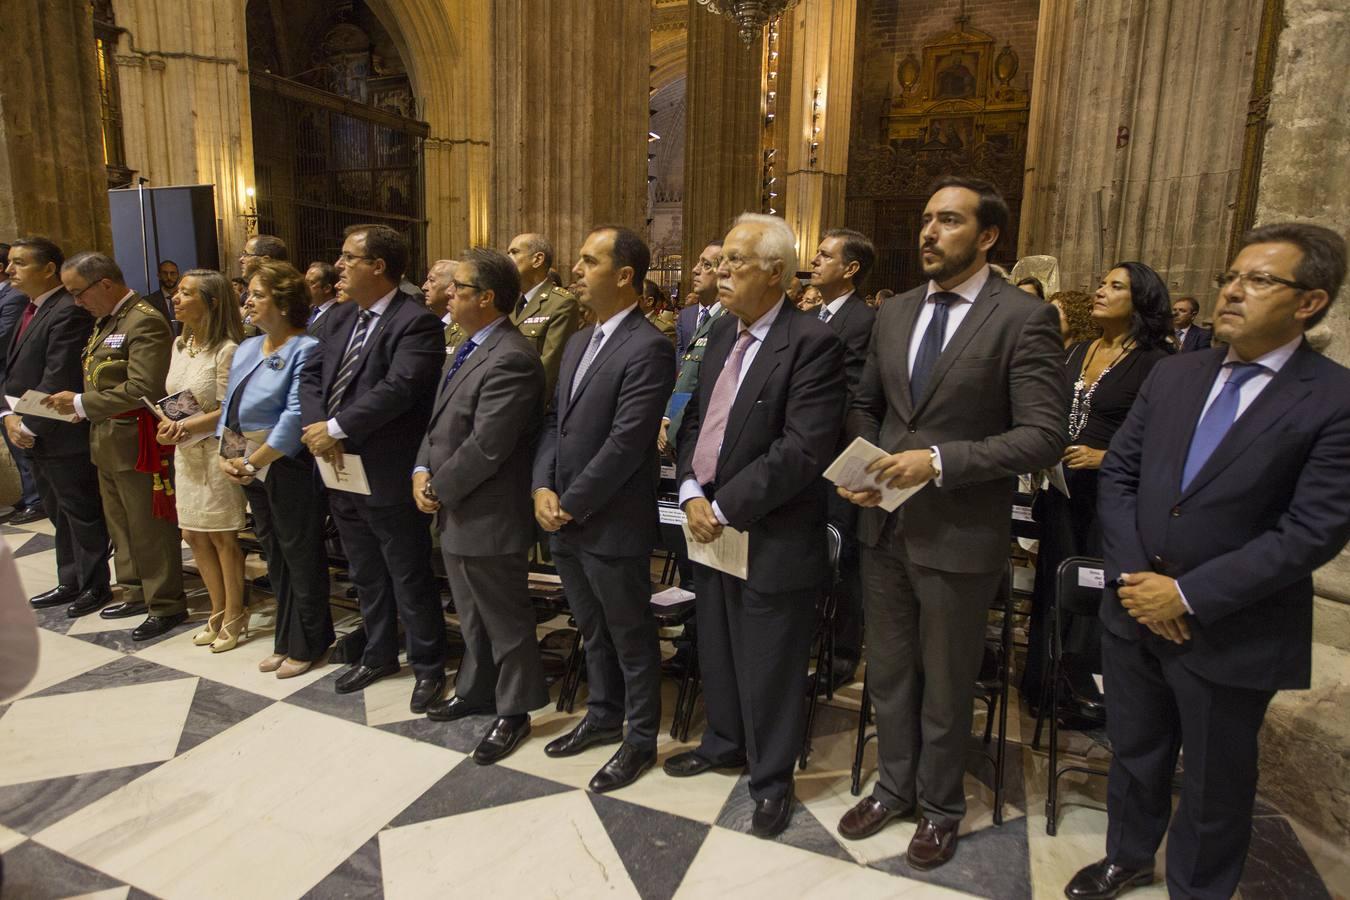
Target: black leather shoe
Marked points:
933	845
868	816
688	763
623	769
1102	881
57	596
25	514
88	602
154	626
359	677
772	816
426	692
583	736
503	737
124	610
457	708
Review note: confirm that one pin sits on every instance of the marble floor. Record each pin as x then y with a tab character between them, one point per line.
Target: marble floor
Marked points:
163	770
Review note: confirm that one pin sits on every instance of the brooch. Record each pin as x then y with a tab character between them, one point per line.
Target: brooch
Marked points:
274	362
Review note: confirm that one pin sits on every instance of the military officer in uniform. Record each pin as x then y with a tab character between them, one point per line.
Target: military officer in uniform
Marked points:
691	339
545	313
127	359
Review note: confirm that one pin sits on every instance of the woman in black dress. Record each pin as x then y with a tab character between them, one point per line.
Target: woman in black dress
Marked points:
1134	311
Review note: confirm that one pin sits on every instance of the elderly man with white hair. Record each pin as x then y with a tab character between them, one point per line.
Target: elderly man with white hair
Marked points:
756	436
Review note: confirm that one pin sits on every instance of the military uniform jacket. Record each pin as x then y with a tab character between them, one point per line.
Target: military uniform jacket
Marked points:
547	321
686	382
127	358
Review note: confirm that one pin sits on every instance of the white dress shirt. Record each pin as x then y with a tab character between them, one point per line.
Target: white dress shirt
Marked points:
610	326
322	308
376	310
834	305
79	398
691	488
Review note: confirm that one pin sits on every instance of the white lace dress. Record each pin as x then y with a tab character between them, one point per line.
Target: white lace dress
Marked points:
206	499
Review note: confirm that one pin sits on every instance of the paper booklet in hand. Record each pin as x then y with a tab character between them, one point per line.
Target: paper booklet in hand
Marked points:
849	471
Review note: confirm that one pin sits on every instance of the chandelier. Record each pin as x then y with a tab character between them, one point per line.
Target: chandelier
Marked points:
750	15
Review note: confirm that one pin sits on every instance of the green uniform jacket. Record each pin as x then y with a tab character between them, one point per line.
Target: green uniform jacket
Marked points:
127	358
548	321
686	382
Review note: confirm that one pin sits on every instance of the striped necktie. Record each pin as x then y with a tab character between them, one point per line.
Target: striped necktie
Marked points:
347	371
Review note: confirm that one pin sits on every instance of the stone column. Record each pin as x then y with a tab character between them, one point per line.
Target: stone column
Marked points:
1136	137
570	92
1304	178
722	130
817	77
185	102
52	178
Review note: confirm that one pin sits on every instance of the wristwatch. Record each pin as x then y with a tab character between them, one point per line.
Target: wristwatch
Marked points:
250	468
935	462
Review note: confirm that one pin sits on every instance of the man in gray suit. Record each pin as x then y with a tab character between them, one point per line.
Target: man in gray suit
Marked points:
963	387
473	475
595	481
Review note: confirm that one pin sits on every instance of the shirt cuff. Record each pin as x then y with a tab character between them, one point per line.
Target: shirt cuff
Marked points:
417	469
717	511
1184	602
335	430
937	462
24	429
79	406
689	489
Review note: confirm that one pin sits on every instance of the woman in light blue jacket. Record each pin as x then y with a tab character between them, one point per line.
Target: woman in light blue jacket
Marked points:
262	403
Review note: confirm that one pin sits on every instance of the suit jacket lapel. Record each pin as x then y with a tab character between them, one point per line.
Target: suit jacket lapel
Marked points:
1286	389
43	310
376	329
982	309
908	319
761	367
476	359
608	349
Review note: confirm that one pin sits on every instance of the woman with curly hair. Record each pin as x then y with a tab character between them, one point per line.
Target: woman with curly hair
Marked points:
1133	312
1075	316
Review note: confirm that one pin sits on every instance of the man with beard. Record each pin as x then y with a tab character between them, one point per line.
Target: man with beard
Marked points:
162	298
963	387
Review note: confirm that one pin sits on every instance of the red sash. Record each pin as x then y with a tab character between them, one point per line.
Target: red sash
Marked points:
155	459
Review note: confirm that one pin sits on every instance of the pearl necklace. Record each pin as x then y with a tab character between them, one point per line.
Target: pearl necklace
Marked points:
190	345
1081	410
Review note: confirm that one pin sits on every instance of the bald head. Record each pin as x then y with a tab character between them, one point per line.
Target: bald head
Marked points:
533	256
437	286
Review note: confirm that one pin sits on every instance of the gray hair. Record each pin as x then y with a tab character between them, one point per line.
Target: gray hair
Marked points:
776	242
93	266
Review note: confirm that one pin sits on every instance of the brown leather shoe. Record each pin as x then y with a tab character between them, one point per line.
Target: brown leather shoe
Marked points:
932	845
868	816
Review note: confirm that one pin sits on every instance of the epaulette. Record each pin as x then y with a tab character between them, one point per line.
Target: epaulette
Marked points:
144	307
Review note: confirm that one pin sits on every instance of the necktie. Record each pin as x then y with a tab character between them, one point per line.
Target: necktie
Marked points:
825	314
347	371
702	318
464	350
313	314
1216	421
930	348
1181	335
714	425
28	313
591	349
520	305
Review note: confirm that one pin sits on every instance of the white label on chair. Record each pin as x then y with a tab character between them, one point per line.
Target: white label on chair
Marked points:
1101	684
670	515
667	471
1091	578
1022	514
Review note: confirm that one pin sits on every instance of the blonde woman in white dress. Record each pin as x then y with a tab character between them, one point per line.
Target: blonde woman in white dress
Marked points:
210	508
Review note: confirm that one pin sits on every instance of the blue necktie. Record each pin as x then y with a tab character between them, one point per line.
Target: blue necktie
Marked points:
702	317
1217	420
930	348
464	350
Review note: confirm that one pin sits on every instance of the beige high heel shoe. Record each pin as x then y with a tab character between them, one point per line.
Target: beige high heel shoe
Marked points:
208	634
230	633
272	663
293	667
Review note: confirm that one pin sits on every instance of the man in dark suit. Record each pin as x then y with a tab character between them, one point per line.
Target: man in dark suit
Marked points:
321	280
162	297
473	474
43	354
595	481
1227	486
13	302
760	429
964	389
841	264
367	389
1189	336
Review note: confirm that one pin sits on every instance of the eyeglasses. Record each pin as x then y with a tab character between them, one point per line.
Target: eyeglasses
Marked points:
707	266
736	262
77	294
465	285
349	258
1256	282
